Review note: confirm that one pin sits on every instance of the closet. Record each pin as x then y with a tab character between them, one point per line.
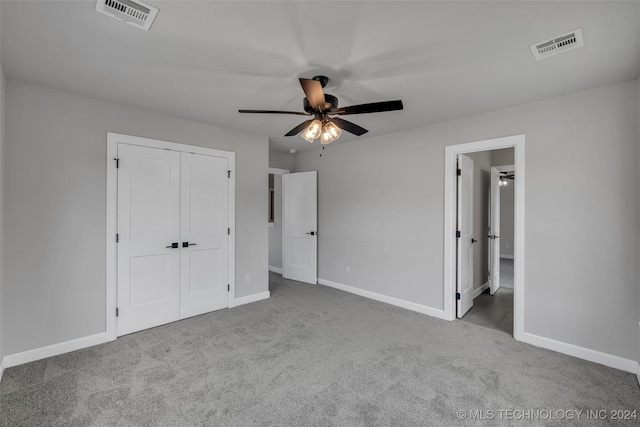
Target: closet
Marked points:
173	235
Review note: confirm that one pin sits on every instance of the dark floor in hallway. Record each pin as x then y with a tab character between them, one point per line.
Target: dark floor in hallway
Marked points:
495	311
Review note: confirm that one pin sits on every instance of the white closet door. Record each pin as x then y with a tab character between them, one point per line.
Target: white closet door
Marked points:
204	234
148	224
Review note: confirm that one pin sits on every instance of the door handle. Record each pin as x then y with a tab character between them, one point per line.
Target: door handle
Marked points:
473	240
187	244
174	245
313	233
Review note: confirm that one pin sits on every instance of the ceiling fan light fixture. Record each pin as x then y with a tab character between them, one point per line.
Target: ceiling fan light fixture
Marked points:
313	131
330	132
324	107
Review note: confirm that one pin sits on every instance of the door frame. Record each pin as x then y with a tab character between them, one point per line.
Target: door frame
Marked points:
280	172
112	215
450	176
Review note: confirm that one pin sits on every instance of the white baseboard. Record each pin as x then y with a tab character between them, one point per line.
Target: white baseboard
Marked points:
53	350
430	311
275	269
638	362
505	256
251	298
16	359
583	353
480	290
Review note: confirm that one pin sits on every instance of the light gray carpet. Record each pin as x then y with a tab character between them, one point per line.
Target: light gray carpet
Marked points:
310	355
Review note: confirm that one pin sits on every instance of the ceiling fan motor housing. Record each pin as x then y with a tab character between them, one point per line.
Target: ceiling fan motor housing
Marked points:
331	104
322	79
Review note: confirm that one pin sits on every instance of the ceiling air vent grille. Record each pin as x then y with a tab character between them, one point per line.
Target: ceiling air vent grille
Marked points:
136	13
558	44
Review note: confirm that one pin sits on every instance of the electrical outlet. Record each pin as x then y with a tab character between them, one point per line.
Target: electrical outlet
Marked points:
247	277
348	269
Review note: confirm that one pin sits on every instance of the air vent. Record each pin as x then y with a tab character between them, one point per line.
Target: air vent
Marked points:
558	44
136	13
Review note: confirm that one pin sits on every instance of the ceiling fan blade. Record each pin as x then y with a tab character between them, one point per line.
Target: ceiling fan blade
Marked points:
374	107
296	130
348	126
299	113
313	91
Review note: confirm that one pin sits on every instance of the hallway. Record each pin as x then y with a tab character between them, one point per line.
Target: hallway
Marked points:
495	311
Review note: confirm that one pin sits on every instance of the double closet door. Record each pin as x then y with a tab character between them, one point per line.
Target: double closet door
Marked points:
173	236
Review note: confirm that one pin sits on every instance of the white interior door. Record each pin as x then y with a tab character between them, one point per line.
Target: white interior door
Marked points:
464	279
300	226
204	238
494	232
148	225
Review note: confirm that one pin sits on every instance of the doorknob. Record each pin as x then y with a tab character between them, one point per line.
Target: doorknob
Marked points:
313	233
174	245
187	244
473	240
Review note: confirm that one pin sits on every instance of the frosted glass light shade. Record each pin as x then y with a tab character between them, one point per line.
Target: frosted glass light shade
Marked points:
313	131
330	132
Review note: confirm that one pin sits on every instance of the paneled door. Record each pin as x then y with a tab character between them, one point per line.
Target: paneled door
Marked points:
173	232
464	236
149	232
300	234
204	234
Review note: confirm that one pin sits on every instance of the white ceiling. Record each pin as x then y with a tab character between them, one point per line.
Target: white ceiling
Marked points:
205	60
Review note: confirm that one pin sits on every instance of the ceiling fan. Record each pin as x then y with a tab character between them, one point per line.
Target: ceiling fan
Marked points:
324	107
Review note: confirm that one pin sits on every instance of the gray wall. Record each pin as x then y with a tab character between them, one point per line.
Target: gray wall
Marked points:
2	122
280	160
505	157
275	231
481	185
54	280
381	211
502	157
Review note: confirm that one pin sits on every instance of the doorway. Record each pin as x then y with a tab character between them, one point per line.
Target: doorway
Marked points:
293	224
451	265
492	213
275	218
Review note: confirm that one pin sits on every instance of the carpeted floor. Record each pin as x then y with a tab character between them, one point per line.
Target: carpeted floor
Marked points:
312	355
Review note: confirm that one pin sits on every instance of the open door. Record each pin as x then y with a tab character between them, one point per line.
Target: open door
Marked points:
299	221
464	236
494	232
